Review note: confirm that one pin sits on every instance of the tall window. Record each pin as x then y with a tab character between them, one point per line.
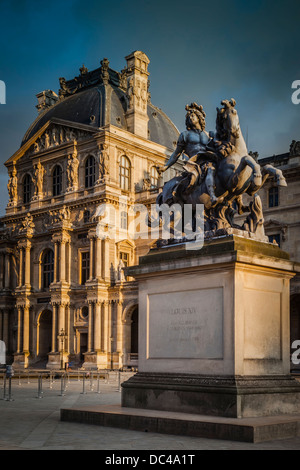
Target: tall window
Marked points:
48	268
125	258
273	197
85	266
124	173
27	189
86	216
90	172
124	220
154	177
57	181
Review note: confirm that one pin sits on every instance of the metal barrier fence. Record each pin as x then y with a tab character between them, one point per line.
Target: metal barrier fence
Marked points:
91	380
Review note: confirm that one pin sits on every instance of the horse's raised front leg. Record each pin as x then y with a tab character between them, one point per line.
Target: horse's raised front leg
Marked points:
272	171
256	172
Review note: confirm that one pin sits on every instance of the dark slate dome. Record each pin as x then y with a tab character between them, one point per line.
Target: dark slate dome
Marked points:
96	104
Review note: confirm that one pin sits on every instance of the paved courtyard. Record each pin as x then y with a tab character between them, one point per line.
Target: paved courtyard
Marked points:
31	420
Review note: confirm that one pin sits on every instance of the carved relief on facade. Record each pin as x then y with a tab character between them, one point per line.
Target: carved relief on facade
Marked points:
55	136
60	215
137	93
26	228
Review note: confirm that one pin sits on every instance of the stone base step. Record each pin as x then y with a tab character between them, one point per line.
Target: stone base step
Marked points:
210	427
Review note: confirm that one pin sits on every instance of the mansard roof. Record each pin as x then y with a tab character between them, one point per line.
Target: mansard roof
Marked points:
98	98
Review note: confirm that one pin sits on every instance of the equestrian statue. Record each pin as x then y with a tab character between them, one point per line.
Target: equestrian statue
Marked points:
217	172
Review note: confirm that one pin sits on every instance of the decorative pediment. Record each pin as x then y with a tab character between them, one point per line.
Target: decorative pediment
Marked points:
54	133
272	224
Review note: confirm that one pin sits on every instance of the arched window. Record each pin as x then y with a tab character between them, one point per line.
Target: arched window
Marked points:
27	189
57	181
48	268
124	173
90	172
154	177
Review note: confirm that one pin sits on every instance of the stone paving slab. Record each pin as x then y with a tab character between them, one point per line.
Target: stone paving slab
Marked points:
29	423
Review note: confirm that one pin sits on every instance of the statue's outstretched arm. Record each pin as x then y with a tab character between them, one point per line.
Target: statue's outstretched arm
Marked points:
176	154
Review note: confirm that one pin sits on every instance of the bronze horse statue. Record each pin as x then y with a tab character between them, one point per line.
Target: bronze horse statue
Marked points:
234	172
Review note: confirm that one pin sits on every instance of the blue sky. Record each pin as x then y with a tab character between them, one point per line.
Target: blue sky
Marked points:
199	51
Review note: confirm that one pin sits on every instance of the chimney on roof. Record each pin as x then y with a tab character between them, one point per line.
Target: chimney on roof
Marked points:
137	93
46	99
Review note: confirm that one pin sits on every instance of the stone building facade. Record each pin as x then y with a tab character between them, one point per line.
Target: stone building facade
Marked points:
281	209
87	160
282	220
93	147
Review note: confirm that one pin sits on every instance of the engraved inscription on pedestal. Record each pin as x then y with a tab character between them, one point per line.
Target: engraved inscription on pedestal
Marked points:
185	325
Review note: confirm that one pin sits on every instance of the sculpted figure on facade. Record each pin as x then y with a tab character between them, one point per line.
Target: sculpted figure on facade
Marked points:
12	187
47	140
103	161
38	179
59	216
55	136
72	169
144	97
104	70
218	172
27	225
295	148
130	92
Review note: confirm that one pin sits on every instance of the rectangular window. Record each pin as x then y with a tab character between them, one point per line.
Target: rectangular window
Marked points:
125	258
85	266
274	238
273	197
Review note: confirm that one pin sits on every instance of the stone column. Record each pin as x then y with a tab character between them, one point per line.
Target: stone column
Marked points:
109	327
21	266
97	326
119	327
1	325
2	268
90	327
69	262
27	263
91	258
67	328
55	261
54	328
62	266
19	330
26	329
106	259
106	329
7	271
61	317
5	333
98	259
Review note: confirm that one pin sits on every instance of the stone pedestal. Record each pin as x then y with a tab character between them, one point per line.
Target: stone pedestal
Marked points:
214	330
55	360
21	360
